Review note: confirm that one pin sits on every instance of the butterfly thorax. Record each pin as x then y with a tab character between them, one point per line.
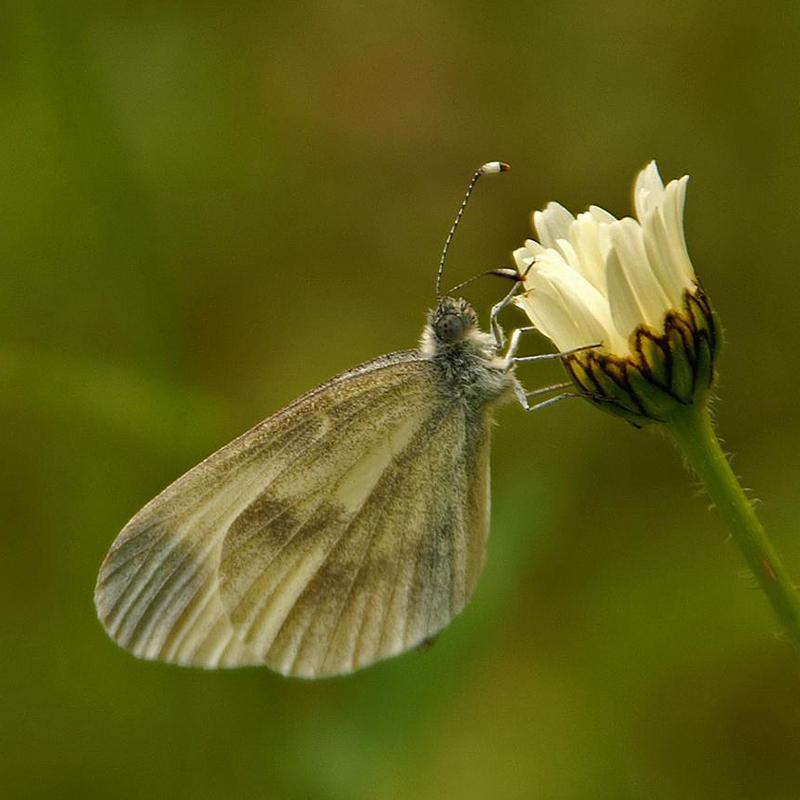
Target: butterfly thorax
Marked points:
466	358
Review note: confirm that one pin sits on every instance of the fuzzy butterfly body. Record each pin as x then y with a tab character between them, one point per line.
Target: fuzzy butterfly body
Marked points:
348	527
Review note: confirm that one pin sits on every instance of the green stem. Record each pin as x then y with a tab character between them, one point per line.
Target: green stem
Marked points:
694	433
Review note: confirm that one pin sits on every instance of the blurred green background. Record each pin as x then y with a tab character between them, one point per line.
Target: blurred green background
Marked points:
209	208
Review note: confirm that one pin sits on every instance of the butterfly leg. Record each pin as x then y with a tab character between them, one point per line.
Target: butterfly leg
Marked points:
551	401
545	389
547	356
497	330
519	391
513	344
523	396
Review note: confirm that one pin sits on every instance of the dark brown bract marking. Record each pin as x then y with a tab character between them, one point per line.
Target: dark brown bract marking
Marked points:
672	367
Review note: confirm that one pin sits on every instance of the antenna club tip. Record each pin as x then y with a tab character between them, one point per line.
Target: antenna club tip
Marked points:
494	166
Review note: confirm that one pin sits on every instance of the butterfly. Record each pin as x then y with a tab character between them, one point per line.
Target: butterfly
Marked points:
348	527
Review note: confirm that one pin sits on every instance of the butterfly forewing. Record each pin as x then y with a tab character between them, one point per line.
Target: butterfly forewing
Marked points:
347	527
157	590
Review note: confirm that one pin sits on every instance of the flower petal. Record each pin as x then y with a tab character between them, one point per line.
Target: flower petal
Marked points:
624	309
672	212
648	191
523	258
585	239
585	306
552	224
549	316
601	215
534	246
628	245
658	246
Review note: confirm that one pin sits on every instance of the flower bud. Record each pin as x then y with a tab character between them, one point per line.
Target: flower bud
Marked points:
629	287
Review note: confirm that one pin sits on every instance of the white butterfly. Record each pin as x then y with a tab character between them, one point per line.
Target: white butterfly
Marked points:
346	528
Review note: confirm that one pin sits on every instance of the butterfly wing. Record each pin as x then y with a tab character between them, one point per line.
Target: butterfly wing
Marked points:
157	591
242	560
374	563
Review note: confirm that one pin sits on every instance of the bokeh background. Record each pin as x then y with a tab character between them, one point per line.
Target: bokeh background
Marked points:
208	208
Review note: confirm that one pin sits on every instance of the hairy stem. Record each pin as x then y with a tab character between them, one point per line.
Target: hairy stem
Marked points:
694	433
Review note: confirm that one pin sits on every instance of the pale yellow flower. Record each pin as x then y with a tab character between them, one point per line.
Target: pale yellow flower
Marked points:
594	278
626	285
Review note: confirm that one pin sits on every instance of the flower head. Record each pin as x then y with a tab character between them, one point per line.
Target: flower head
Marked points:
627	285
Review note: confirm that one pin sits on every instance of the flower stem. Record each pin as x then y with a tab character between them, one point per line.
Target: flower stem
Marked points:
695	435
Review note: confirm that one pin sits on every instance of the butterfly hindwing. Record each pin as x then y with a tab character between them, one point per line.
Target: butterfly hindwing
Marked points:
377	560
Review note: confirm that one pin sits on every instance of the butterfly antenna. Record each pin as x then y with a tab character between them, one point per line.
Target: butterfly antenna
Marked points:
488	168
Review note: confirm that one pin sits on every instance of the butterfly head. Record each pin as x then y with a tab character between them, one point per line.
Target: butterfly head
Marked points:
452	327
452	320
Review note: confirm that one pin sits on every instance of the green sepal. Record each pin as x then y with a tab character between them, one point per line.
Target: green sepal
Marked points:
682	372
652	356
658	403
704	367
666	372
613	381
579	374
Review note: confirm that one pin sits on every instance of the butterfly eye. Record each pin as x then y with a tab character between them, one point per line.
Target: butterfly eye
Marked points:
449	327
